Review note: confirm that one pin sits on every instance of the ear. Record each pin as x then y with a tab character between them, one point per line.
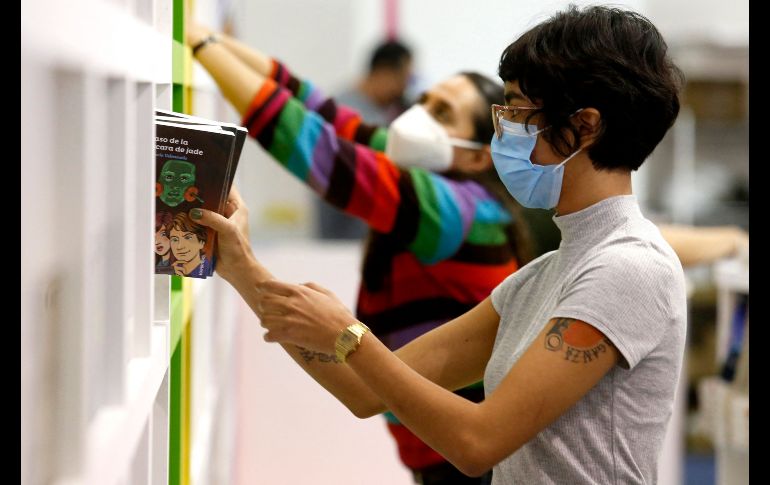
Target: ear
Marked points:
589	122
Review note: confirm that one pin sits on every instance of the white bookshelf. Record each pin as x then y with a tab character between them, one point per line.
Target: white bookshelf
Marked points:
95	325
95	318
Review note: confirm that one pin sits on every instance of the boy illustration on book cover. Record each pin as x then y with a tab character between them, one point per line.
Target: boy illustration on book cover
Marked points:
188	240
191	170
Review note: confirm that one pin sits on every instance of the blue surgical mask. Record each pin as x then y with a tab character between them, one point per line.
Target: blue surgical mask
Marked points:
533	186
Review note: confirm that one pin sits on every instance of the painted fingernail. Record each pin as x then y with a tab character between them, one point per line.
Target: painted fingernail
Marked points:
196	213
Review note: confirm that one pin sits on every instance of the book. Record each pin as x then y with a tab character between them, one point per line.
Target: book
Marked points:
239	131
196	160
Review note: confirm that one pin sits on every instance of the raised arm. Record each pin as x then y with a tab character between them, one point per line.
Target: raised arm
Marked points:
417	207
701	245
347	122
261	63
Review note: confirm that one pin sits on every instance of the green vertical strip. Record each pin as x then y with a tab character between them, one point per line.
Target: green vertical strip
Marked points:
175	436
177	314
176	281
179	63
178	28
175	384
175	418
177	103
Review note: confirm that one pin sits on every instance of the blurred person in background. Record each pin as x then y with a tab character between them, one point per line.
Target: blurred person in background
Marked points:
378	97
443	229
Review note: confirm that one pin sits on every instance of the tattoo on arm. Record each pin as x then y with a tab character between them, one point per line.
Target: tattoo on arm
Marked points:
310	355
579	342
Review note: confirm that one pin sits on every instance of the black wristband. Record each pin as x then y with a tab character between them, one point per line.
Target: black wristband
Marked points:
204	43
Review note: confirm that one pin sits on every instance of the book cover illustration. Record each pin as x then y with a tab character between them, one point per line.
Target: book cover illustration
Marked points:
192	170
240	137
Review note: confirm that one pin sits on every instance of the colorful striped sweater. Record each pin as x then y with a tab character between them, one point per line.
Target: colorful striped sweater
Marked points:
438	246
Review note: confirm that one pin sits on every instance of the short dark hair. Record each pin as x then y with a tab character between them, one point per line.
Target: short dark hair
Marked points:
606	58
391	54
183	223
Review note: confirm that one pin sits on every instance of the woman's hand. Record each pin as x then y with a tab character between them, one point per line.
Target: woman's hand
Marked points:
233	249
237	211
307	315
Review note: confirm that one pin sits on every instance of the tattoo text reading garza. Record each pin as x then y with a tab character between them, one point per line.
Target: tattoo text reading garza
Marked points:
310	355
580	342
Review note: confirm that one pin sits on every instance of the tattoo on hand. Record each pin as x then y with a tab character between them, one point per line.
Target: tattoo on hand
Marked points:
580	342
310	355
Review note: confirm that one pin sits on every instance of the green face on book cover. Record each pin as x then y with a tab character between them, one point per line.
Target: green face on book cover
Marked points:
176	177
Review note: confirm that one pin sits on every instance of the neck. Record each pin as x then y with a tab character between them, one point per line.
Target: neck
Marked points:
166	256
584	186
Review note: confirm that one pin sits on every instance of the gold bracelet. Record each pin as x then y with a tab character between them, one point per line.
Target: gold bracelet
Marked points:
348	340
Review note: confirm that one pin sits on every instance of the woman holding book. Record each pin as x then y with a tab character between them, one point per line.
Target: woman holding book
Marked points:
283	113
580	350
444	231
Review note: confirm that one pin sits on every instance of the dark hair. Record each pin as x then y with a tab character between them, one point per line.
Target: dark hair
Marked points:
182	222
605	58
391	54
162	220
491	92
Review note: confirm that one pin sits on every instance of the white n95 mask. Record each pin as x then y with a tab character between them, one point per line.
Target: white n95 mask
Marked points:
415	139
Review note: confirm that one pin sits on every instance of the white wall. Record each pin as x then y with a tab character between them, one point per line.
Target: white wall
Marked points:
94	318
712	21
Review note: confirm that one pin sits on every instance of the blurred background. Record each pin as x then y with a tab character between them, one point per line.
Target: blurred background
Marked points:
128	377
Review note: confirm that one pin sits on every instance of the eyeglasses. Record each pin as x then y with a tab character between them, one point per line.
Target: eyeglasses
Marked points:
509	113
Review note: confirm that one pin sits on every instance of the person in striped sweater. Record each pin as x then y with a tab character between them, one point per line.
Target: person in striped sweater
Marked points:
441	238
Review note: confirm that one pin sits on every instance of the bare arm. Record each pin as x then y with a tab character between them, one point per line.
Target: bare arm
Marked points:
237	265
565	361
238	81
542	385
547	380
701	245
253	58
346	122
451	356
